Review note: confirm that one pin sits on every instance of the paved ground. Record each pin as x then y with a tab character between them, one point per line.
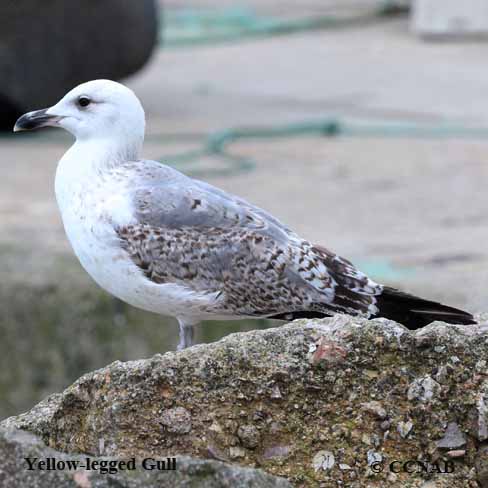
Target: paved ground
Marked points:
411	211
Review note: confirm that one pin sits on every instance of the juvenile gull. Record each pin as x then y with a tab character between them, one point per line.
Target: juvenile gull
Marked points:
173	245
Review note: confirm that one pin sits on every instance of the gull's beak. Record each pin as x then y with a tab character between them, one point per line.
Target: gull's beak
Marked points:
36	120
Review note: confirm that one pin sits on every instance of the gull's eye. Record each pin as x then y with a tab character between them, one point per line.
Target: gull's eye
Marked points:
84	101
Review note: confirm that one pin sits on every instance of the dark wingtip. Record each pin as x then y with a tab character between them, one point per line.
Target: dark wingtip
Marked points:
415	312
450	318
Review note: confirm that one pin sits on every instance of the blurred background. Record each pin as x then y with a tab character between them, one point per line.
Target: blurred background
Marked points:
362	124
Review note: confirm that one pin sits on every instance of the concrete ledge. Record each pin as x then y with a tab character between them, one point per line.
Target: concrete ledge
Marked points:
314	401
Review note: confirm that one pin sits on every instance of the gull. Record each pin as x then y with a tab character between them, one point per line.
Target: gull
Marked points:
170	244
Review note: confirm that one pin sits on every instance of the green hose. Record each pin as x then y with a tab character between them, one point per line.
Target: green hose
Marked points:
196	27
216	145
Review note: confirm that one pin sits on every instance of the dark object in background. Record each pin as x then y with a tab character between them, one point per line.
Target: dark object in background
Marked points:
47	47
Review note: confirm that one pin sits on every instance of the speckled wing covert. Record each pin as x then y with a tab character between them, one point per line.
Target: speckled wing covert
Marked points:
193	234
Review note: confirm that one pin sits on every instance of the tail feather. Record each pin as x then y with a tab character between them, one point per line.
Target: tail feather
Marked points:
415	312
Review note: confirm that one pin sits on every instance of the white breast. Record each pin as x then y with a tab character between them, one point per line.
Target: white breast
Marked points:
90	211
92	206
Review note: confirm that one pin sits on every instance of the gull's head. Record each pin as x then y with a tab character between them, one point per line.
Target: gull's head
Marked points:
99	109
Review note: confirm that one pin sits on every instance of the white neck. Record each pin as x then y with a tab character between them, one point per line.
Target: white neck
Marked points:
86	162
91	156
108	150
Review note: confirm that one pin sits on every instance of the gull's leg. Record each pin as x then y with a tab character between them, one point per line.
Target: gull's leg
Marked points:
186	333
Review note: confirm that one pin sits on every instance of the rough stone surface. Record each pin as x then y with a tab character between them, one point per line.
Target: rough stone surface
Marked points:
49	47
17	445
481	464
343	404
453	437
479	426
375	409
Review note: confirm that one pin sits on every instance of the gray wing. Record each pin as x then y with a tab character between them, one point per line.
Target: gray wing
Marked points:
191	233
166	198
